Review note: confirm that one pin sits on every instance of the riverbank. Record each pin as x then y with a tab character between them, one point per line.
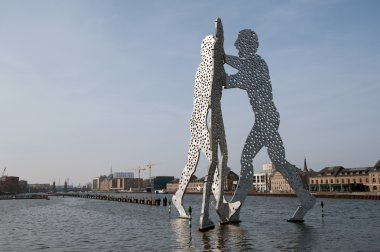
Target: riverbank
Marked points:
335	195
23	196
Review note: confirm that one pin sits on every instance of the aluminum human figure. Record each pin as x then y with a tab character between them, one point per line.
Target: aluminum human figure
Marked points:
218	170
200	135
253	77
209	82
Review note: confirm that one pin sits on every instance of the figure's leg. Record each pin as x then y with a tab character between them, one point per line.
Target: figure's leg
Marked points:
276	153
205	222
218	181
188	171
221	167
223	208
252	146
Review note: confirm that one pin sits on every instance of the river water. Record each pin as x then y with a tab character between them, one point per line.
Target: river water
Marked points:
76	224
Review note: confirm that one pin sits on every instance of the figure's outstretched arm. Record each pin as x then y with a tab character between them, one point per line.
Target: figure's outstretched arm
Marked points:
232	61
233	81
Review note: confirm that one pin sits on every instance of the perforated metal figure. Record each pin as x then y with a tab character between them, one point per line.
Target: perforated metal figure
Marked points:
209	82
253	77
200	136
218	170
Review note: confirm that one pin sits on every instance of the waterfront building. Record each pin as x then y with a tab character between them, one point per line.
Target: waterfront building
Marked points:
123	175
269	168
231	181
278	184
173	186
117	182
340	179
22	186
262	181
196	184
105	185
96	182
125	184
159	182
374	178
9	184
39	188
62	188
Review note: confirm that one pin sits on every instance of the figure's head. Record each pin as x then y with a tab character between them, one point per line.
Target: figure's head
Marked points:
247	43
206	47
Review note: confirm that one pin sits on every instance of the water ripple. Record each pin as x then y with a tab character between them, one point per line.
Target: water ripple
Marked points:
74	224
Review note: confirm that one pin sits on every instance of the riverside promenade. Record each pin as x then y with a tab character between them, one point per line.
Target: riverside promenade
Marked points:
334	195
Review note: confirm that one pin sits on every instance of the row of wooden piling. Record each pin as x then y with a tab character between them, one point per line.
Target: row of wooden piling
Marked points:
144	201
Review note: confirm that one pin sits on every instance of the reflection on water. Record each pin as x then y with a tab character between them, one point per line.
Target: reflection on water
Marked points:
301	241
226	238
182	232
74	224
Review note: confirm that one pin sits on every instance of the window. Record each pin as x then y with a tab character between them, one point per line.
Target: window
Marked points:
367	180
360	180
312	181
337	180
373	179
331	181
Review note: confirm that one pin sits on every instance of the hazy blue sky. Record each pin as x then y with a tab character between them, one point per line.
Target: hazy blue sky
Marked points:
84	84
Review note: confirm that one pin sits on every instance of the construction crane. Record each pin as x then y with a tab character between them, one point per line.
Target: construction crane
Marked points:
3	173
150	172
139	171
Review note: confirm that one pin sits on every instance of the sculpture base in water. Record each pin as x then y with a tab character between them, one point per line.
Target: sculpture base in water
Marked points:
207	227
231	222
184	217
292	220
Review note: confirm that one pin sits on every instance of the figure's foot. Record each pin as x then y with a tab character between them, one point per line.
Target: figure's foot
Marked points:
227	212
177	202
307	202
235	212
206	224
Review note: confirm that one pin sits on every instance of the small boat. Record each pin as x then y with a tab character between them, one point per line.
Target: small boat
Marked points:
162	191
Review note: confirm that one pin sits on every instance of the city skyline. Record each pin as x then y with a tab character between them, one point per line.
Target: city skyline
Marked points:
89	85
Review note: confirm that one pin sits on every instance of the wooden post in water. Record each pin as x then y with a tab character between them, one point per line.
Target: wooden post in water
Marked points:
322	210
190	211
